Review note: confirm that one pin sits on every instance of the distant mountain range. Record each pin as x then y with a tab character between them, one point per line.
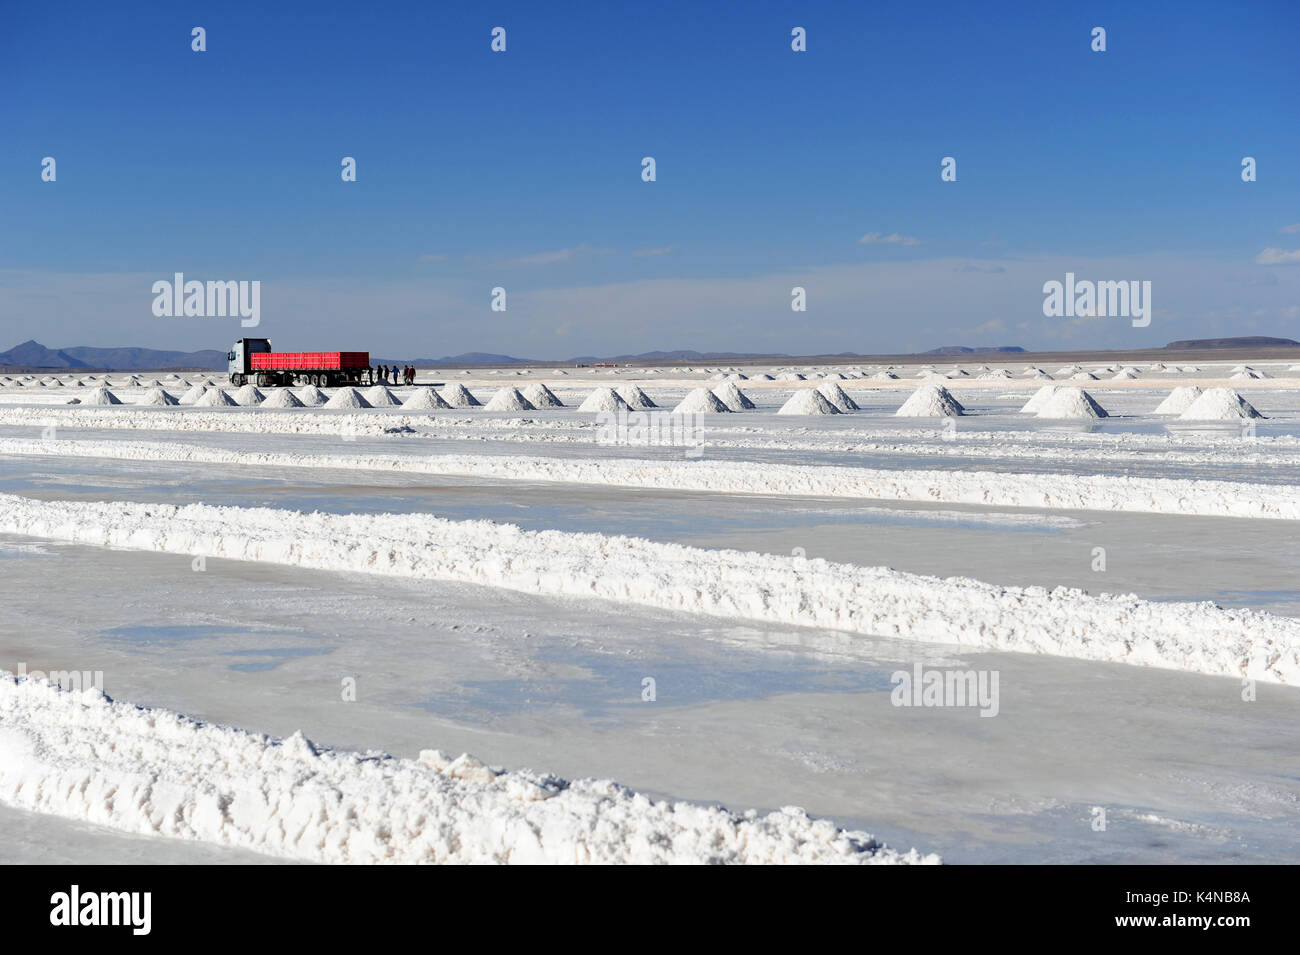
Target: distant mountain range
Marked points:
982	350
1256	341
32	354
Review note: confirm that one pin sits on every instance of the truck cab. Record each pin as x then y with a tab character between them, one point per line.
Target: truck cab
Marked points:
238	357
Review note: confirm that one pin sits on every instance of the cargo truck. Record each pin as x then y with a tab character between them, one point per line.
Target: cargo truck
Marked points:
251	360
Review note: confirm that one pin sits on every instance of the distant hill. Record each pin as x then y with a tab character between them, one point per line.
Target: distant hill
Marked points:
982	350
683	355
1252	341
139	359
32	354
474	358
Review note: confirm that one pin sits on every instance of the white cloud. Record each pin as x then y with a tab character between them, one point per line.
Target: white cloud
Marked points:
879	238
1290	229
560	255
667	250
1278	257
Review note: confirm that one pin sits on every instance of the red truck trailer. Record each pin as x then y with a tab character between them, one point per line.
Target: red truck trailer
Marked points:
251	360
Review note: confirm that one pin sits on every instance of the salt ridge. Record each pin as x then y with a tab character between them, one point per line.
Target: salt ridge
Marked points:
150	771
878	601
1045	491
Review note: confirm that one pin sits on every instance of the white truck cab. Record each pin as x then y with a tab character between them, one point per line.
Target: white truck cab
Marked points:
238	357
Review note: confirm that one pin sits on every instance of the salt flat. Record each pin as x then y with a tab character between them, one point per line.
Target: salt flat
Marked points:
754	709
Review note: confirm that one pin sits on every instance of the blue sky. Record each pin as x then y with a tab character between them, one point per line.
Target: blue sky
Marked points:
522	170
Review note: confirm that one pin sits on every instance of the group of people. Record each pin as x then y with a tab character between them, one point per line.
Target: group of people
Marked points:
388	374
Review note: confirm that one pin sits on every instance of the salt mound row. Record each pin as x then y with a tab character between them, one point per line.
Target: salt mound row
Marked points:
701	401
425	399
930	401
1083	376
311	396
737	376
296	799
1247	376
215	398
1179	400
837	396
808	401
157	397
348	398
604	399
733	397
1072	404
193	395
101	396
767	377
636	398
541	396
282	398
1125	374
248	396
991	375
508	399
884	376
380	397
791	376
458	396
1040	398
1219	404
